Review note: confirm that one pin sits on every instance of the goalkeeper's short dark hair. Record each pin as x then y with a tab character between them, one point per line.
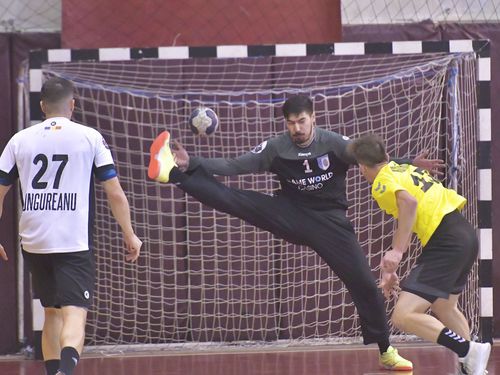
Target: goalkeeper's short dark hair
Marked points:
297	104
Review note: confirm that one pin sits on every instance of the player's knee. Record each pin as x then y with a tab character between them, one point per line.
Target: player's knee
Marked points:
364	290
399	318
443	312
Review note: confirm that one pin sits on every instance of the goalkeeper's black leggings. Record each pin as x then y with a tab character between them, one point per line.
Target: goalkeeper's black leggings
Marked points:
329	233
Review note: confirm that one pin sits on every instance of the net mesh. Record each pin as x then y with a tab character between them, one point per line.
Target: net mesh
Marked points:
17	16
411	11
206	277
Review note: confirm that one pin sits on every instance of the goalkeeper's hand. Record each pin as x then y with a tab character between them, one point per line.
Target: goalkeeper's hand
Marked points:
434	166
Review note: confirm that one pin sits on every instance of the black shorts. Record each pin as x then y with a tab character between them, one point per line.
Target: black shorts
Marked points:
62	279
446	260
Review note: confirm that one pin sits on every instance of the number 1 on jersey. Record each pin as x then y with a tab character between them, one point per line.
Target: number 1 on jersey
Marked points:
308	168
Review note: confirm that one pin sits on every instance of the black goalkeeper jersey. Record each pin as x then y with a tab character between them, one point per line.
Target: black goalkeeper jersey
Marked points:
313	176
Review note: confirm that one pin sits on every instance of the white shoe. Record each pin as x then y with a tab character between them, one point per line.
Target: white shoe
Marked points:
476	360
460	372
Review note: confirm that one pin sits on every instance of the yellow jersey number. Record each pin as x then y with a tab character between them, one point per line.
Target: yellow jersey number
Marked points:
423	179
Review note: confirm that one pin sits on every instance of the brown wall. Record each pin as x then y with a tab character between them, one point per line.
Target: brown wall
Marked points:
135	23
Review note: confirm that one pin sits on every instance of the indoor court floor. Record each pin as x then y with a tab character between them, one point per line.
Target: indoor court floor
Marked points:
341	360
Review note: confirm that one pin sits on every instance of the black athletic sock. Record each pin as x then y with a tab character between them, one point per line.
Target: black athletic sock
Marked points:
69	359
453	341
176	176
52	366
383	345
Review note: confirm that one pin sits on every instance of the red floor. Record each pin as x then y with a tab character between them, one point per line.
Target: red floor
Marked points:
341	360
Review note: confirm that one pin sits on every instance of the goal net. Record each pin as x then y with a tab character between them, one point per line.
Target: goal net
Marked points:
206	277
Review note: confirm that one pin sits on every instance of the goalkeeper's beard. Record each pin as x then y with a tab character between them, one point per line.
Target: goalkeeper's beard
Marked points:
309	139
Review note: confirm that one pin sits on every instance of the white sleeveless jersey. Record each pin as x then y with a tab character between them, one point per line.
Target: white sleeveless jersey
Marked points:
55	161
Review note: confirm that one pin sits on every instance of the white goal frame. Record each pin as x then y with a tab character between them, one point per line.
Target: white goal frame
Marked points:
480	47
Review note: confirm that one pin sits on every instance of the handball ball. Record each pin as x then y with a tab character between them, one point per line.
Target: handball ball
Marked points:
203	121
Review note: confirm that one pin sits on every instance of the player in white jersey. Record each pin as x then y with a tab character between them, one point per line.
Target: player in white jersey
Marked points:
55	162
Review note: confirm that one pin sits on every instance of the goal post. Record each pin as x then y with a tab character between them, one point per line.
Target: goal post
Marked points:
206	278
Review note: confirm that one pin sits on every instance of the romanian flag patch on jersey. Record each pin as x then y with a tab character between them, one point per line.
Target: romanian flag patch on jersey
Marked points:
53	126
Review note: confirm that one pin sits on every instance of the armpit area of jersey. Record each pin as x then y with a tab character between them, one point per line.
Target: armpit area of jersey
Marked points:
8	179
105	172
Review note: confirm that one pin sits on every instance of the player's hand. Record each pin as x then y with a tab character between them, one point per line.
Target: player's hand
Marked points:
390	261
434	166
389	283
181	156
3	254
133	245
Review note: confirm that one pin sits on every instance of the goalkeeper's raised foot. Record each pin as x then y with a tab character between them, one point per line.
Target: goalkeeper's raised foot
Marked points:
162	160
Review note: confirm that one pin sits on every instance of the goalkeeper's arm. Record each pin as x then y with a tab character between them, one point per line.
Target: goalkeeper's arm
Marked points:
244	164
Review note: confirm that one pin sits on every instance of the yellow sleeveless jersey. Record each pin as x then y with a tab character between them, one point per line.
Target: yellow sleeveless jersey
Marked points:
434	200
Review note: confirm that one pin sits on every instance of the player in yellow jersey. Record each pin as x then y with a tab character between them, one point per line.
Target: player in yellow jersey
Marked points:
424	206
